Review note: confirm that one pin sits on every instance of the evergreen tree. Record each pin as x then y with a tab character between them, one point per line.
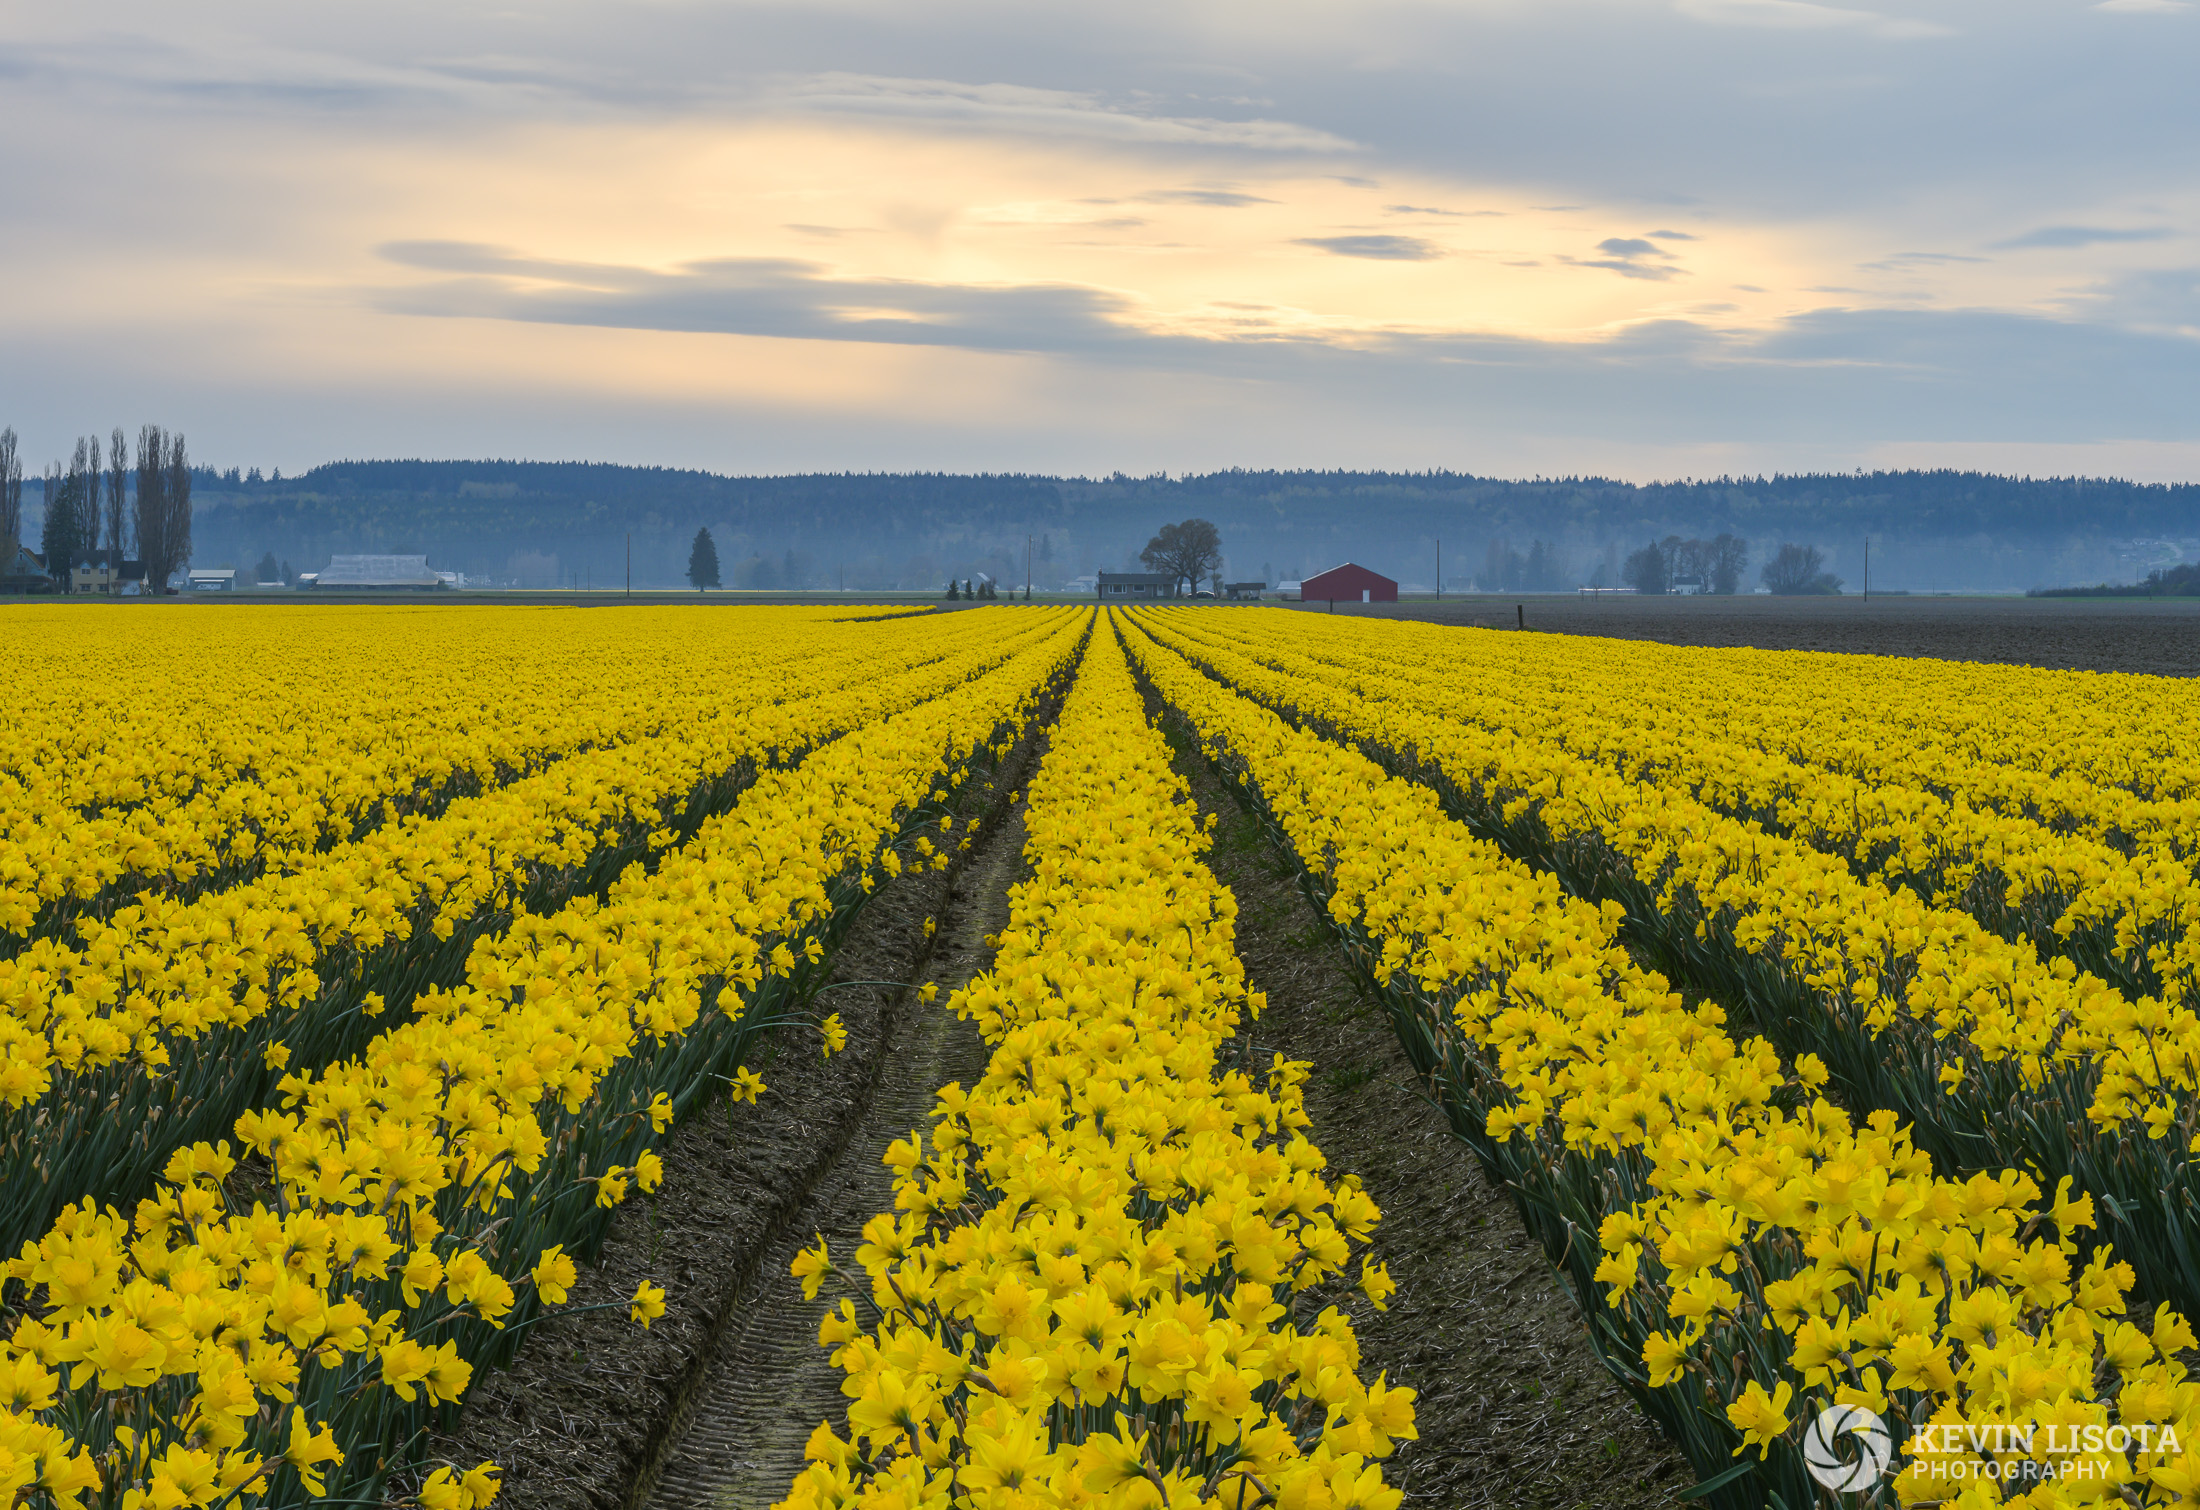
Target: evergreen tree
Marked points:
954	591
1647	570
63	538
703	562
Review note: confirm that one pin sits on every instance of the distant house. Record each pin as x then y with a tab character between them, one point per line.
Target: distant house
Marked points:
213	579
108	573
377	574
26	573
1137	584
1349	583
1244	589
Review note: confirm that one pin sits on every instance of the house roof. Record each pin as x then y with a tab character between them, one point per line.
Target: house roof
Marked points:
213	573
1140	578
377	571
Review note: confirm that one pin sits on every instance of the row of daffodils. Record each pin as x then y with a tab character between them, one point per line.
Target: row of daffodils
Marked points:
288	1330
1748	1254
1995	1057
193	754
157	1026
1098	1286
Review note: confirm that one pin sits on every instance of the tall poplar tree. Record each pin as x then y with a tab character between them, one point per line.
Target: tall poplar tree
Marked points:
118	469
151	515
11	500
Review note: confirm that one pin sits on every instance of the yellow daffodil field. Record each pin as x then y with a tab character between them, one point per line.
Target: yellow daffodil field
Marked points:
1831	1022
1866	1138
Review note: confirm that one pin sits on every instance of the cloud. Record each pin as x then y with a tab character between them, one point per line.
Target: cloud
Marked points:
1655	272
2082	235
1059	112
1624	254
1905	261
1797	15
1223	198
1382	248
1423	209
757	296
2144	7
1673	236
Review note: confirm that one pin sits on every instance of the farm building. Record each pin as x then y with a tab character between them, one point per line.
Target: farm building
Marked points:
1137	584
1244	589
213	579
378	574
109	573
1348	583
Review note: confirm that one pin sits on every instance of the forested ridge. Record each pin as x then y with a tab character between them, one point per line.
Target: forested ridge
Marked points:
548	520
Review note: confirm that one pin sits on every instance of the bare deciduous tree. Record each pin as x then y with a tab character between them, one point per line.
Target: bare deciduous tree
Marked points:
118	468
1799	569
11	499
159	547
93	471
1187	551
178	502
1729	554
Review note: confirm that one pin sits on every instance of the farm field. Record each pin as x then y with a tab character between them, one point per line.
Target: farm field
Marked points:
2158	637
1030	1056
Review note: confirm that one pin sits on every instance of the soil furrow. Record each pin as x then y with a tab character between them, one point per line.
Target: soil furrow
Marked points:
594	1409
1514	1409
770	1383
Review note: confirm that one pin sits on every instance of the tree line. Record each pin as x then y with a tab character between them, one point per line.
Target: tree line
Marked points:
1716	566
2163	582
102	511
914	530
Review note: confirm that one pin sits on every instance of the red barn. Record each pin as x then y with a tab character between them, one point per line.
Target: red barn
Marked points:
1348	584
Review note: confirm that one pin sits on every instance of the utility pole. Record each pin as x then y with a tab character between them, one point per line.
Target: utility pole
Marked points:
1867	568
1439	566
1027	568
630	563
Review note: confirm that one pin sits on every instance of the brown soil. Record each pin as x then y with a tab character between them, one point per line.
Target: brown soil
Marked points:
2159	636
771	1384
594	1409
1514	1408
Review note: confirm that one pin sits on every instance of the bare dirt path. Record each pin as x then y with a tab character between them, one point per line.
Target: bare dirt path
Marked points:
1514	1408
771	1384
595	1413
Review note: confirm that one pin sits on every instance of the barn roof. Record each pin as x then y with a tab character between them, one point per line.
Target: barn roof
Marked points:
1351	566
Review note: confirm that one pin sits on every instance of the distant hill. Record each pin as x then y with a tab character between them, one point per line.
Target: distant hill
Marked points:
538	523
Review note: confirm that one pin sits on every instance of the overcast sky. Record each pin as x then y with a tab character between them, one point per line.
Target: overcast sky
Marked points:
1647	238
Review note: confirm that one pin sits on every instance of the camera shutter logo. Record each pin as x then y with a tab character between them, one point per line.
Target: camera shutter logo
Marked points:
1829	1459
